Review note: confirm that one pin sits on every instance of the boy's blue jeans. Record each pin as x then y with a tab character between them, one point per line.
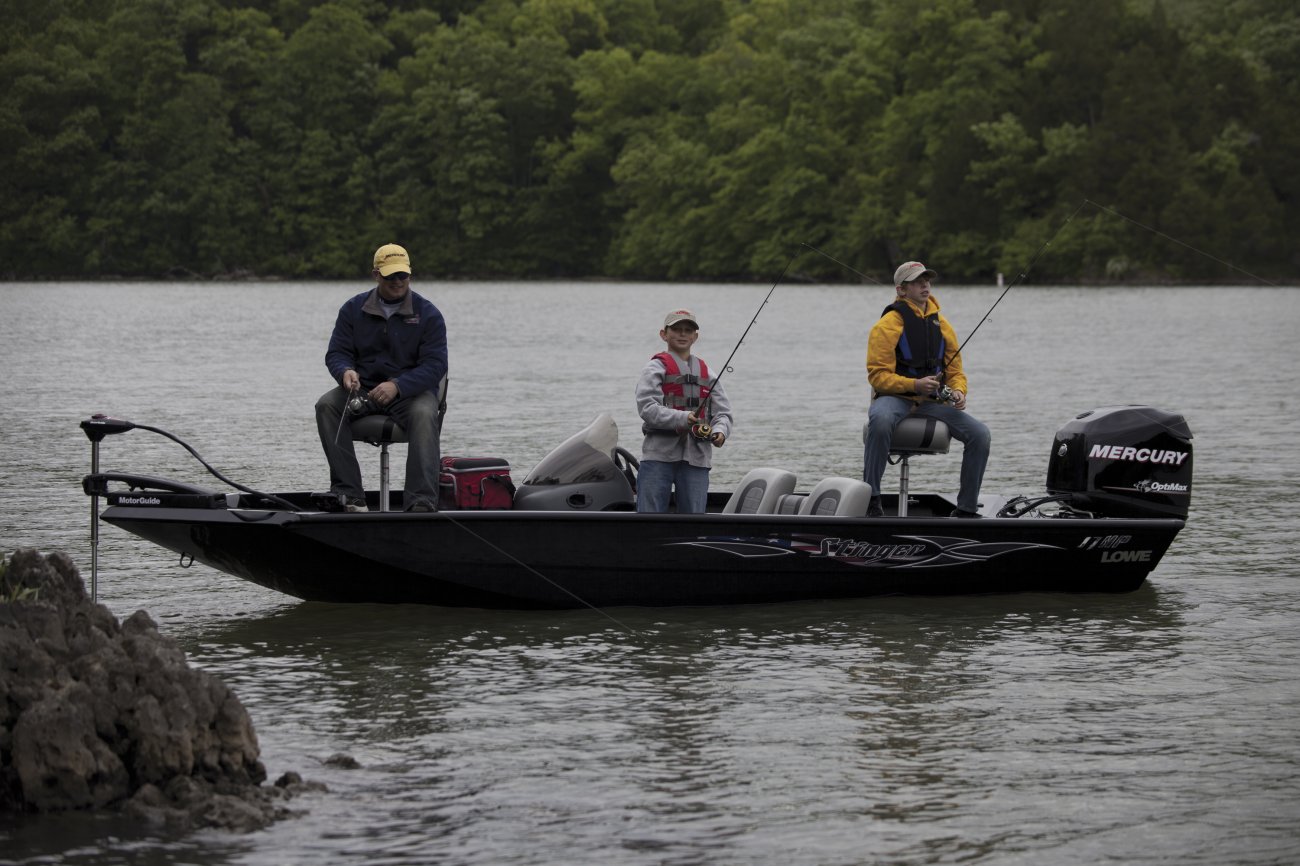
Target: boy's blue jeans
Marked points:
656	479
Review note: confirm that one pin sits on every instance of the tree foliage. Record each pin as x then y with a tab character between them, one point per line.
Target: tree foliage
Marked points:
679	139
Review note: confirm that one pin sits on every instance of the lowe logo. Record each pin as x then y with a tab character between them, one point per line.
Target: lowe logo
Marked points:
1126	556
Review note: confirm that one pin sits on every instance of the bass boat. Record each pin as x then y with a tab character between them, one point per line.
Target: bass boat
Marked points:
1117	493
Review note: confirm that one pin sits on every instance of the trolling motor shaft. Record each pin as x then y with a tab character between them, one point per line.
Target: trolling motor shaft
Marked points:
96	427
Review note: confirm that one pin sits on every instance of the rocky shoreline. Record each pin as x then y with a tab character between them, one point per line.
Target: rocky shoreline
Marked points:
97	714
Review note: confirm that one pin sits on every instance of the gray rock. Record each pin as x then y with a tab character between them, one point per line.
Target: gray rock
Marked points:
96	714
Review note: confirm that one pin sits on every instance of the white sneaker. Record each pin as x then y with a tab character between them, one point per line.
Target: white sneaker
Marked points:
355	505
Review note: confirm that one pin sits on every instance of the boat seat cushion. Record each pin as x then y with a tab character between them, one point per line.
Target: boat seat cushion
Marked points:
377	429
839	497
759	491
918	434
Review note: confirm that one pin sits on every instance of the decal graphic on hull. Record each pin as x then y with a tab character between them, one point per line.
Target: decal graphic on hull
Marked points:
738	547
904	551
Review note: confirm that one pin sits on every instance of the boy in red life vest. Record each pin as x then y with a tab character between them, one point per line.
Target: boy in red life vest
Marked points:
675	393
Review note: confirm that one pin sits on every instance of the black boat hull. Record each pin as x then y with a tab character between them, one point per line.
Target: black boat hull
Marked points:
539	559
1120	483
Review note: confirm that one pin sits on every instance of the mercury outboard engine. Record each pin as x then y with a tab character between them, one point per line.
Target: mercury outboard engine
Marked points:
1124	461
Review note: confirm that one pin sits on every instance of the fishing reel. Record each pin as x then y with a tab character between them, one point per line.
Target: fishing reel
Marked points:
702	431
358	404
361	404
944	395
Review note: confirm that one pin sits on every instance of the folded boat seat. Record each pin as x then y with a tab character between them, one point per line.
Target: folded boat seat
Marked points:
380	431
790	503
838	497
759	491
913	435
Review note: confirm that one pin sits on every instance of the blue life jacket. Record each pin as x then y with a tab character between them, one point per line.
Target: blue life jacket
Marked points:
920	348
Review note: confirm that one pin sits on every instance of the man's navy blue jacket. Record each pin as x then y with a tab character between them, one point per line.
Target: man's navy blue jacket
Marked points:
409	348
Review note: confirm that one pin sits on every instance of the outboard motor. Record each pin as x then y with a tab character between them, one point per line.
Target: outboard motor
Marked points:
582	474
1124	461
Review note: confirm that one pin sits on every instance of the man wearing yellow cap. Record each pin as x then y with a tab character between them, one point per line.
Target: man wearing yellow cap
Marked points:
914	368
389	346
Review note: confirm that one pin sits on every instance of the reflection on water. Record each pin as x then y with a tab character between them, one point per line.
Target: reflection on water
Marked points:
1154	727
700	715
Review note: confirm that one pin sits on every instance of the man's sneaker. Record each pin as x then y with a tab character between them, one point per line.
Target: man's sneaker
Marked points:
874	509
957	512
421	505
357	505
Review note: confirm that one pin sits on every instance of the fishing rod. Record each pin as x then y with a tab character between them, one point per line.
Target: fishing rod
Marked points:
347	410
1023	273
701	429
944	395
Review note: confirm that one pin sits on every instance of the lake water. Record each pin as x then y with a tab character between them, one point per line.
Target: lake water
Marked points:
1157	727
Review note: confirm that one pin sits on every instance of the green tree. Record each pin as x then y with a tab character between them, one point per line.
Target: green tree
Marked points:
53	129
310	123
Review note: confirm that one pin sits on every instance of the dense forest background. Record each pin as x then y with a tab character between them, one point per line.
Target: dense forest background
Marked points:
658	139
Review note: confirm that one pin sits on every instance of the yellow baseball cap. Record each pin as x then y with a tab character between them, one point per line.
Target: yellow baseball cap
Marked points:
390	258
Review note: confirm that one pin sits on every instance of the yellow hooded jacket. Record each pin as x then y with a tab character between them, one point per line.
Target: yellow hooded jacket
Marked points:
881	360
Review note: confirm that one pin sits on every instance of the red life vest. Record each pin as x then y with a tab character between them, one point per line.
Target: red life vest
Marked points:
685	391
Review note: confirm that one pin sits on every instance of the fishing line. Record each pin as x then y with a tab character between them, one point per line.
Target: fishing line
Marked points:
285	503
289	505
1023	273
528	567
347	410
702	430
1181	243
1029	265
842	264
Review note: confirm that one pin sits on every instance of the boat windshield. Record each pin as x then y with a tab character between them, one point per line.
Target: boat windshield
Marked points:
584	457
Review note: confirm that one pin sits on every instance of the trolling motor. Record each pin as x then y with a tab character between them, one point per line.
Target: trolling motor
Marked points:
96	427
99	425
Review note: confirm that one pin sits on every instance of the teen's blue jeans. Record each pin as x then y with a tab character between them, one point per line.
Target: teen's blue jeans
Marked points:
883	417
656	479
